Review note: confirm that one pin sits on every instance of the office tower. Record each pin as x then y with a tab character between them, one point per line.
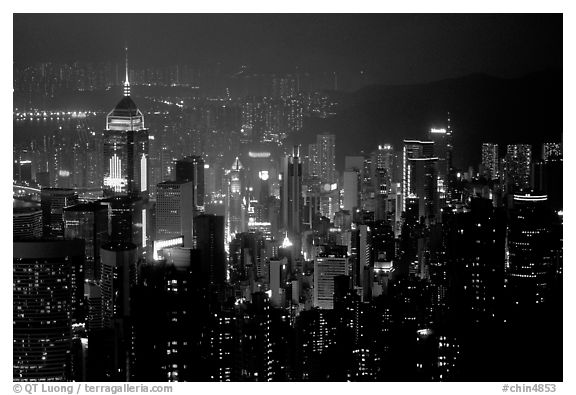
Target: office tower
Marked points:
94	319
119	277
191	169
381	175
530	260
126	148
415	149
351	190
517	167
442	150
311	163
423	184
326	158
475	251
174	211
367	188
235	213
168	316
210	242
490	161
26	223
363	264
291	193
382	168
89	222
53	201
421	177
326	267
44	293
127	220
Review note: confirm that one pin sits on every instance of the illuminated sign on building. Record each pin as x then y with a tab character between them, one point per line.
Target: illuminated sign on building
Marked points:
252	154
160	244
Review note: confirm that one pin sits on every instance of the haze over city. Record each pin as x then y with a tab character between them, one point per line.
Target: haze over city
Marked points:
287	197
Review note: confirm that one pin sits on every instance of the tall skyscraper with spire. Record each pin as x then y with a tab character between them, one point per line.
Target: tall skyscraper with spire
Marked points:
125	148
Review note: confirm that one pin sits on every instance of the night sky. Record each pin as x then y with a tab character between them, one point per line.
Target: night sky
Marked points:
390	48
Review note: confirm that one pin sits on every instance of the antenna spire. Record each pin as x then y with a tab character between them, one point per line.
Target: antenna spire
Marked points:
126	82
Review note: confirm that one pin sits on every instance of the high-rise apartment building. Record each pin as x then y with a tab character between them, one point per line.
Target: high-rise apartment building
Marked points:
517	165
326	158
44	293
490	160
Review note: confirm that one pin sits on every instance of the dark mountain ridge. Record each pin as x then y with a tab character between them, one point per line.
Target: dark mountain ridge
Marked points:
483	109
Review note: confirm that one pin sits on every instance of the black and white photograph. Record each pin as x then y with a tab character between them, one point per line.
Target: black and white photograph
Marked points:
287	197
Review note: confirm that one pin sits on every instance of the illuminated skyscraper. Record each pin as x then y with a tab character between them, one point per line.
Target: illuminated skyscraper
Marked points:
174	211
442	149
291	196
191	169
381	175
382	168
326	158
490	160
235	201
413	149
421	176
530	261
125	148
517	167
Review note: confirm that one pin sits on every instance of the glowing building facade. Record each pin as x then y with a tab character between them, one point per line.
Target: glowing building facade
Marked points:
125	148
490	160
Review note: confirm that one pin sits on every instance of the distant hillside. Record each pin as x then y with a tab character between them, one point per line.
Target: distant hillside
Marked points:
483	109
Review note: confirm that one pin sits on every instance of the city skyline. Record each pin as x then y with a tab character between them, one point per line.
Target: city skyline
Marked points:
232	227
